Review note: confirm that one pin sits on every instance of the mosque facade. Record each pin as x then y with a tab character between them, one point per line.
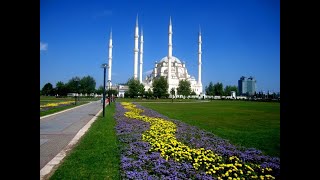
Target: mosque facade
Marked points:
169	66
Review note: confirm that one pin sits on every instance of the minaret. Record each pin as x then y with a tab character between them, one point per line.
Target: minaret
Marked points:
136	50
155	69
141	55
169	55
199	58
110	60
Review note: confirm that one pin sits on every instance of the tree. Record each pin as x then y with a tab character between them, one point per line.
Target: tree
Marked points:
87	85
141	89
135	88
218	89
184	88
148	93
61	89
172	92
210	89
228	89
193	93
112	92
100	90
73	85
160	87
47	90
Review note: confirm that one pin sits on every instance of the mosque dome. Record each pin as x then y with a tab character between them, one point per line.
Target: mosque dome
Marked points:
177	71
174	59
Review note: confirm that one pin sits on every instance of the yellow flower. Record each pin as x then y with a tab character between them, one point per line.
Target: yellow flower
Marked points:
161	137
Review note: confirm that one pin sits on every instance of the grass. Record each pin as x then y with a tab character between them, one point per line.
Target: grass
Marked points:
245	123
52	99
250	124
61	108
155	100
97	154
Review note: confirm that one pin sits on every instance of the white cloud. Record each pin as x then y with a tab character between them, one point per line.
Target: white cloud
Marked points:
43	46
148	72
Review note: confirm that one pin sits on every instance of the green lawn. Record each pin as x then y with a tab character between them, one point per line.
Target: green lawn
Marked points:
155	100
97	155
51	99
57	109
251	124
246	123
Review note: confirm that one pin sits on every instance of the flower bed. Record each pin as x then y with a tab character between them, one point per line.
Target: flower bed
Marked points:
155	147
53	105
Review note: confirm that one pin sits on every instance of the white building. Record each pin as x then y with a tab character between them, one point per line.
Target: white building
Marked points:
178	70
121	90
233	95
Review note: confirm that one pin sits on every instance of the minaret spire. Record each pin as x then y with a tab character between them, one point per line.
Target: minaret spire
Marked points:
199	58
137	20
169	55
141	56
136	50
110	59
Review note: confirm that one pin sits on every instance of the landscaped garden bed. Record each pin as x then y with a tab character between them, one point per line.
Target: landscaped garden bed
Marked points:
156	147
49	106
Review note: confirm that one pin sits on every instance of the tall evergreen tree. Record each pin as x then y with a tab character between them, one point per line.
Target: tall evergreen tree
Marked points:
73	85
87	85
61	89
47	90
218	89
135	88
184	88
210	89
160	87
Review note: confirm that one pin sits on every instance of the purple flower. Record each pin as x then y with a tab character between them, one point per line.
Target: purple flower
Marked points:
137	162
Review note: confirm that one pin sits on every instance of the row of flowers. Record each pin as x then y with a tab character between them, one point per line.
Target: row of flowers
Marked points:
182	151
49	105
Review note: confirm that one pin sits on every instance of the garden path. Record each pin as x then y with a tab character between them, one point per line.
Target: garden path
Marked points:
58	130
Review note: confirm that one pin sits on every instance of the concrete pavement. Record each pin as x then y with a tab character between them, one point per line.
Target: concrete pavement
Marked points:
58	130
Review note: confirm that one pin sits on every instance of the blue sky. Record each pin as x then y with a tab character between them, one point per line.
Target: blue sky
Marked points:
239	38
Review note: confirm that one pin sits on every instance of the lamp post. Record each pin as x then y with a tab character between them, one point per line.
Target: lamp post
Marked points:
173	92
104	66
75	99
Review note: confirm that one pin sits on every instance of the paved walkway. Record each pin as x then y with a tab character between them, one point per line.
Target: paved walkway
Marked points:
58	130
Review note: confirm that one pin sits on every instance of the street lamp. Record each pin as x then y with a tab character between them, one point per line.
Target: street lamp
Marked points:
104	66
173	92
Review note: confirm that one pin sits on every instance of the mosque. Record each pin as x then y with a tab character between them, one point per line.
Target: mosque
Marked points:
169	66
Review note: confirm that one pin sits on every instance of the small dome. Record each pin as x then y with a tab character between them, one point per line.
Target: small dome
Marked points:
174	59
